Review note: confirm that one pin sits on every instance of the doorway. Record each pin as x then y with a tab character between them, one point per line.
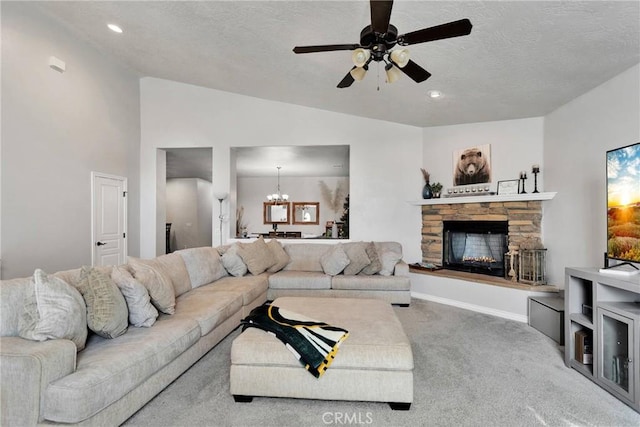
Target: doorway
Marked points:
188	200
108	219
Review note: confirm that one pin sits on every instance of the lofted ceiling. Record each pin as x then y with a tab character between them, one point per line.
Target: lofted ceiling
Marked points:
522	58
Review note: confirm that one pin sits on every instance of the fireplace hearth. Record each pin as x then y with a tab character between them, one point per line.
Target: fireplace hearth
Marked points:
475	246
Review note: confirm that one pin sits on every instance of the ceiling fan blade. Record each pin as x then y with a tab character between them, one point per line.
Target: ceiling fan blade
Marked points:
444	31
347	81
325	48
416	72
380	15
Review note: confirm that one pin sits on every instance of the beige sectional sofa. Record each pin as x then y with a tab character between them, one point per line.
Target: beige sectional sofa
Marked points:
47	381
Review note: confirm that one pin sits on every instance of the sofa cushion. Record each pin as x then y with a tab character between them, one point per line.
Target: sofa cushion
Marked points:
107	313
335	260
157	283
371	283
250	287
388	258
204	265
109	369
375	265
256	255
299	280
174	267
232	261
279	254
305	256
141	312
208	306
53	309
356	251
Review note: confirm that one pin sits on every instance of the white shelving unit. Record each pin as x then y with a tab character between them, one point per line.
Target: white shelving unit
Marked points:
485	198
607	308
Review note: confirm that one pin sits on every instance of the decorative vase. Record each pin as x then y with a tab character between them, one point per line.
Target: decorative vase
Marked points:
426	191
334	230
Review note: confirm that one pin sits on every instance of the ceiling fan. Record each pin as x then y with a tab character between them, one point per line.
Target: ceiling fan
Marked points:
378	39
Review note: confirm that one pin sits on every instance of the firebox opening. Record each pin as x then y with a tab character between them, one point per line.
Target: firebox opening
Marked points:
475	246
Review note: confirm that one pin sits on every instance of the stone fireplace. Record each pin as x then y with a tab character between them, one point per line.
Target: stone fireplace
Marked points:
521	221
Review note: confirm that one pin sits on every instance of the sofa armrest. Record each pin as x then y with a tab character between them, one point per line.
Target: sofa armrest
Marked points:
27	367
401	269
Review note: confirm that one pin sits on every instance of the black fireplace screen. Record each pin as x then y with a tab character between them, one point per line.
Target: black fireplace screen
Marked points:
475	246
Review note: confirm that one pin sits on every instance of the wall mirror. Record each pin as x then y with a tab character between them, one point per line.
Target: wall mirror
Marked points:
306	213
275	213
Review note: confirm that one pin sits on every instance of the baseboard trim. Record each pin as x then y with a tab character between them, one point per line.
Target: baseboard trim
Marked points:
471	307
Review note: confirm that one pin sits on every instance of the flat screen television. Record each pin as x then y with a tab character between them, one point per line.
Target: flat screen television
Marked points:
623	204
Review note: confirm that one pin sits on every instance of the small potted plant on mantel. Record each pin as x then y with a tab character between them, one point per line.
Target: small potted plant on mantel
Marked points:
436	190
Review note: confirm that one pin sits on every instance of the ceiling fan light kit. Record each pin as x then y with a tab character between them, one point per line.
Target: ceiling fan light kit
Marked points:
378	39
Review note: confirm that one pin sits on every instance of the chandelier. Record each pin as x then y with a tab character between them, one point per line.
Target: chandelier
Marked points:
278	196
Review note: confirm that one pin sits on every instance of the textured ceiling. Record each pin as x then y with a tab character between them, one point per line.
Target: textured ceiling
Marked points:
522	59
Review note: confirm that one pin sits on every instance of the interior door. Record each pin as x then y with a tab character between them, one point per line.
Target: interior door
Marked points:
109	222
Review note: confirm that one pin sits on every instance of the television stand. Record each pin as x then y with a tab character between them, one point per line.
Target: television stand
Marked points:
620	265
605	310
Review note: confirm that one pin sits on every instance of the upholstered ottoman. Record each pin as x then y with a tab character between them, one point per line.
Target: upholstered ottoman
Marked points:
375	363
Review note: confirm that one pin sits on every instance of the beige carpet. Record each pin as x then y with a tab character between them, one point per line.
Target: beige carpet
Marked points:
471	370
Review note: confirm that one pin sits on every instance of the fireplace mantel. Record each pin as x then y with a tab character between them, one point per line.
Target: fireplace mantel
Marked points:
485	199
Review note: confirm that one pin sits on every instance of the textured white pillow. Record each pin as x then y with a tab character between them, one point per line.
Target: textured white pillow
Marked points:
334	260
256	255
141	312
358	257
279	254
157	283
107	313
53	310
203	264
233	263
389	259
375	265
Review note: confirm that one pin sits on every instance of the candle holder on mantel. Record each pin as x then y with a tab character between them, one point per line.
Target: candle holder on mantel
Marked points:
523	177
535	170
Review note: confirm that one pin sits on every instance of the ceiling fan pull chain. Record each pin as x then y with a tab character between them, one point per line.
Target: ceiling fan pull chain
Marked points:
378	70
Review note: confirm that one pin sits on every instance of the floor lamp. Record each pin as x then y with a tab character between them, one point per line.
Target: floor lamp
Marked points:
221	197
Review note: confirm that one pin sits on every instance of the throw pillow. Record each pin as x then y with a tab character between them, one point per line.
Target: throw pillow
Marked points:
141	312
53	310
204	265
358	257
233	263
375	265
334	260
279	254
107	313
389	259
256	255
157	283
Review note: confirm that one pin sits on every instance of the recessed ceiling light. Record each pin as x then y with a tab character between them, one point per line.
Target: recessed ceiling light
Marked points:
114	28
434	94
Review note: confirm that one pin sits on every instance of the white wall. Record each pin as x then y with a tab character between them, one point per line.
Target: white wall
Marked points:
385	157
188	209
576	139
516	145
56	129
252	193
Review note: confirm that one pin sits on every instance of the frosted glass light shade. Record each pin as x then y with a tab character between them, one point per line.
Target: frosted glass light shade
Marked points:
393	74
400	57
360	57
358	73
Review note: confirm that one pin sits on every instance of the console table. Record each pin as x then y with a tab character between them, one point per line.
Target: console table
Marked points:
605	311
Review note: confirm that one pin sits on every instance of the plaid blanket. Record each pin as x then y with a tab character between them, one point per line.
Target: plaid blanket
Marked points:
314	343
